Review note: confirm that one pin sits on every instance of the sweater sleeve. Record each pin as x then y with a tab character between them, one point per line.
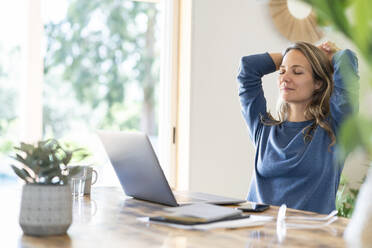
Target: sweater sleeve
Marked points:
252	99
346	86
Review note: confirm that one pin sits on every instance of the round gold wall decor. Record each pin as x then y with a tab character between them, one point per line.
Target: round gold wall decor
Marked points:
291	27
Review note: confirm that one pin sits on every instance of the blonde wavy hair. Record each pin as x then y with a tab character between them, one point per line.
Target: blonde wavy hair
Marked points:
319	107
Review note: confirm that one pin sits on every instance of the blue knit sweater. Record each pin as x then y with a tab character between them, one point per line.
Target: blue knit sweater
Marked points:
287	170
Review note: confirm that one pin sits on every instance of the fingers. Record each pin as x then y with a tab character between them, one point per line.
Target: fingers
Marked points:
326	47
329	47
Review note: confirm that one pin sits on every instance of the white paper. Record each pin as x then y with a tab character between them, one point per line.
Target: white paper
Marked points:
253	220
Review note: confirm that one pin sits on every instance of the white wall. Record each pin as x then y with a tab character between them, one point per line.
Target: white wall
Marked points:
219	153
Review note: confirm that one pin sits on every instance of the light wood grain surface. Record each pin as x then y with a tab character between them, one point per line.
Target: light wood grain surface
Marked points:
110	219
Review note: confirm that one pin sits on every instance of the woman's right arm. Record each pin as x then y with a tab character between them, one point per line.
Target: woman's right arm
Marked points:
253	102
277	59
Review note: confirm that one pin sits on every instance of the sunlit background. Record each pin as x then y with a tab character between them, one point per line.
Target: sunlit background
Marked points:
101	71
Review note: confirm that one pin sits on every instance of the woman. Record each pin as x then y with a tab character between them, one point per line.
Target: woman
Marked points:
295	160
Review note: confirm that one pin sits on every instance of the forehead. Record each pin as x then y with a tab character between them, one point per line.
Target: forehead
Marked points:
295	57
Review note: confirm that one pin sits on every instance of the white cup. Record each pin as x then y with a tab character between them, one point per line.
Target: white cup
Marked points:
92	177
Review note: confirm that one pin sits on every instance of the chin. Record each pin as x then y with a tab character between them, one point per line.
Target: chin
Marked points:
286	99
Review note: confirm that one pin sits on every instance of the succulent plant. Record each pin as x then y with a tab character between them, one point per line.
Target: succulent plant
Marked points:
44	163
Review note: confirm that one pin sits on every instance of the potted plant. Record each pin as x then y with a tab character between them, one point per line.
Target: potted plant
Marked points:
46	204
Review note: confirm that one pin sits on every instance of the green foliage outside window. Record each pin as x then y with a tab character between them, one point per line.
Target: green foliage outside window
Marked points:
9	59
99	50
93	55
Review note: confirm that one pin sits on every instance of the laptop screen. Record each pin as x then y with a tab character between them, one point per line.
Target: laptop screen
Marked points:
136	166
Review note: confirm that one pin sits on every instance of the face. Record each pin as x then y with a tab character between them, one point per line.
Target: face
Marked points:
296	83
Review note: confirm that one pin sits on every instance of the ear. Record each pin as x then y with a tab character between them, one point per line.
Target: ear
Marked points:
318	84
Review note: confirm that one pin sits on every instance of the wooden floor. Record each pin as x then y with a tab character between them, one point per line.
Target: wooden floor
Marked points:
110	219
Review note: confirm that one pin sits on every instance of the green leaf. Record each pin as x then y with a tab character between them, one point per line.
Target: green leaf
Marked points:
80	154
67	158
363	18
23	174
28	148
332	12
74	171
20	159
48	171
350	136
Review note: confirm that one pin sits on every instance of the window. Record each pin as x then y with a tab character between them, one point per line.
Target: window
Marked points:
101	70
11	67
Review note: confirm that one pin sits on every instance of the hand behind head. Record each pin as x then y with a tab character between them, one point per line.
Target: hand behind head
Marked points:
329	48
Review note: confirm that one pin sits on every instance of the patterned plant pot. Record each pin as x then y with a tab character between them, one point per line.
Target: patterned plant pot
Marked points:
45	209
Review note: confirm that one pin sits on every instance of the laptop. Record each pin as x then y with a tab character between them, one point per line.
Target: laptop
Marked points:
140	174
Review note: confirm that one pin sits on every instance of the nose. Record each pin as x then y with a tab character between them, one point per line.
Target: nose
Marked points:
284	78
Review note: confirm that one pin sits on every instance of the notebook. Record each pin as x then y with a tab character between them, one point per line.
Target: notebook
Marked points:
199	213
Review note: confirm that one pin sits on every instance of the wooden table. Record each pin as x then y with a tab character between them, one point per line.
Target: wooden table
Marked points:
109	219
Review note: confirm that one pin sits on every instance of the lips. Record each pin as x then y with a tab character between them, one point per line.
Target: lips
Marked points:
286	89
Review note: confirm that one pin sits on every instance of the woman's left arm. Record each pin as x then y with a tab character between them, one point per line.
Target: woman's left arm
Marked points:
345	96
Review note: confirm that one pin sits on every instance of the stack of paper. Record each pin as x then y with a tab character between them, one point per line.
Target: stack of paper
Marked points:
199	213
